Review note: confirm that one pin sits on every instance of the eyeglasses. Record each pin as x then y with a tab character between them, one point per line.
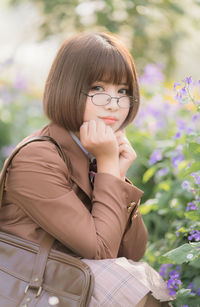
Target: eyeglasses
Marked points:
102	99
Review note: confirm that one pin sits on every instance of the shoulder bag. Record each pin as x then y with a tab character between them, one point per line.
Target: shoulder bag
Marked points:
37	275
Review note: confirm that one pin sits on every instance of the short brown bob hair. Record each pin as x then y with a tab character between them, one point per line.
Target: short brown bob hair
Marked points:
81	61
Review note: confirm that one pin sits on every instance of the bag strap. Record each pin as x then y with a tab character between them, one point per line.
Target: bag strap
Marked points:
16	150
47	240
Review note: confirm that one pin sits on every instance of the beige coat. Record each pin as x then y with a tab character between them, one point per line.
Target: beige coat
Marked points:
99	223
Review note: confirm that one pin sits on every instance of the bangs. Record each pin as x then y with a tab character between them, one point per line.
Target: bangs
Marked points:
111	67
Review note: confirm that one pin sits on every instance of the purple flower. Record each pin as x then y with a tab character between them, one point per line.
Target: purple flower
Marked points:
20	83
188	166
185	185
164	268
183	91
185	306
163	171
155	156
181	124
179	97
173	282
177	159
191	286
188	80
175	85
190	130
177	135
196	177
177	232
194	234
198	292
191	206
152	74
198	82
174	274
195	117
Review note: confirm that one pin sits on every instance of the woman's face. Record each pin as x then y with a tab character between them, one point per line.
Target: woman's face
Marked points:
112	114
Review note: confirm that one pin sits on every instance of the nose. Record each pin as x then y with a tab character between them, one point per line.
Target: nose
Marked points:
113	104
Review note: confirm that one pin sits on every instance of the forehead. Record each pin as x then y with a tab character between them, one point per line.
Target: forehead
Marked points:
110	67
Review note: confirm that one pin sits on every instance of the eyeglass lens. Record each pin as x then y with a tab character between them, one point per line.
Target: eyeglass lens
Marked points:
103	99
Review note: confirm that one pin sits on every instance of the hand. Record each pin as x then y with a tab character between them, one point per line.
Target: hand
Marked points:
126	153
100	140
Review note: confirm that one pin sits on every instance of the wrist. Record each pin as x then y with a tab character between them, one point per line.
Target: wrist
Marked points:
110	166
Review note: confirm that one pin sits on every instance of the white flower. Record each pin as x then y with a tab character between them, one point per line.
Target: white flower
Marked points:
190	256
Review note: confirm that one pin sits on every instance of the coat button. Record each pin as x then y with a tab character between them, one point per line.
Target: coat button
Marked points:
131	205
136	214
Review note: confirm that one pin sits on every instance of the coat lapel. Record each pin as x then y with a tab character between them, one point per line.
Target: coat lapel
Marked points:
79	160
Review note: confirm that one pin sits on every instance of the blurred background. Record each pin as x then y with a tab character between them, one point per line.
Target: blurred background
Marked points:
164	39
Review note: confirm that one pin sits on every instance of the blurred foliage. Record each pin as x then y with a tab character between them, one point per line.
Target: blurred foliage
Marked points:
151	29
166	135
20	114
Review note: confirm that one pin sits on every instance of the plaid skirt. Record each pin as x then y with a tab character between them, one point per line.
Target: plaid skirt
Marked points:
124	283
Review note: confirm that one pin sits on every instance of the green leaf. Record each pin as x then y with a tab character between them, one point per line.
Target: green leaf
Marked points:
184	253
196	281
194	150
148	206
194	167
165	185
185	297
182	229
192	215
148	174
183	293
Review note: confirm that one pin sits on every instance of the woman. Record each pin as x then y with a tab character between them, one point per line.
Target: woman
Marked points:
91	94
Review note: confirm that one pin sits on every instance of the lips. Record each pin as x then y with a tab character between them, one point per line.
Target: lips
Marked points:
109	119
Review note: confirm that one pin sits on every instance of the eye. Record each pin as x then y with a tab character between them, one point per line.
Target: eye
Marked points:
123	91
97	88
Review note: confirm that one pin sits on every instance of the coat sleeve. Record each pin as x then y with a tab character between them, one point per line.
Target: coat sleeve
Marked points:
39	185
134	241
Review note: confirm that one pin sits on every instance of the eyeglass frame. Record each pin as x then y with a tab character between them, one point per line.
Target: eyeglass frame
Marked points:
111	97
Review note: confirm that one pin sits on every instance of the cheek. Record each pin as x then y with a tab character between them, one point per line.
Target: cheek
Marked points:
89	111
86	112
124	114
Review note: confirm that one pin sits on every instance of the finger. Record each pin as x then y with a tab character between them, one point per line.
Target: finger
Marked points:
92	128
124	147
83	132
109	132
128	149
122	139
84	128
101	127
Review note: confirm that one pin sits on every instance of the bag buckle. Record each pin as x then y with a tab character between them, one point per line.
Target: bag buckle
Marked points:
38	292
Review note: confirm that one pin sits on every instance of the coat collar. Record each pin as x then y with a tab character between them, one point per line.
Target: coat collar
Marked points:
79	160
